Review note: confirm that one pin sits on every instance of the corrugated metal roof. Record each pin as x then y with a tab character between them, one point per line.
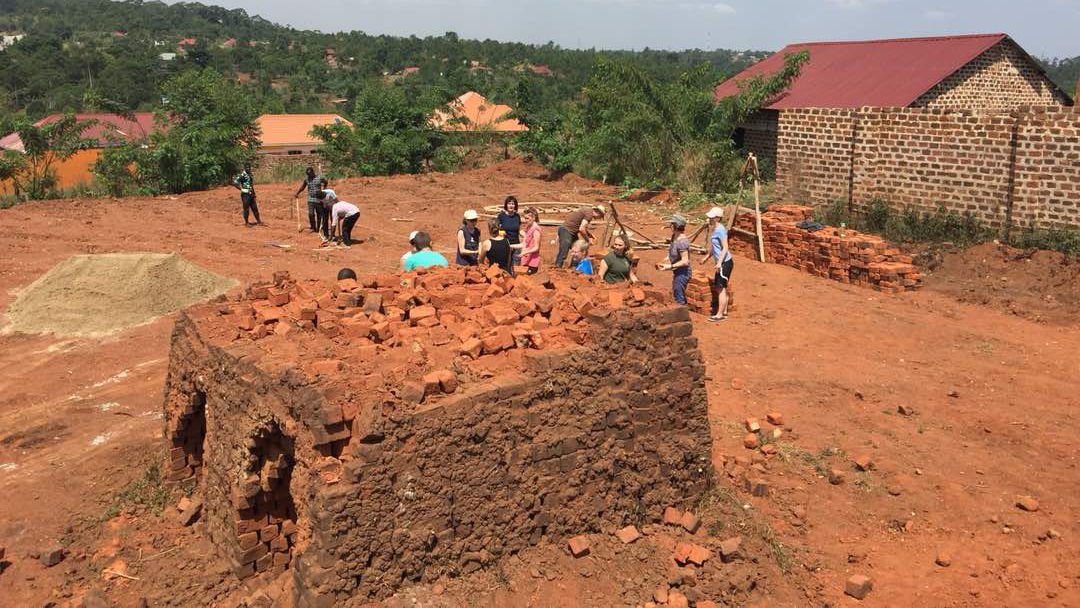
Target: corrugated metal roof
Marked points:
107	129
885	73
293	129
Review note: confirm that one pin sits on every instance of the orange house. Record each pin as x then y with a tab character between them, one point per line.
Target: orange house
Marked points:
107	130
472	112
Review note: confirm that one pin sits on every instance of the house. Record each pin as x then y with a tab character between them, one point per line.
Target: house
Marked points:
107	131
167	56
980	73
290	134
229	43
471	112
184	43
7	40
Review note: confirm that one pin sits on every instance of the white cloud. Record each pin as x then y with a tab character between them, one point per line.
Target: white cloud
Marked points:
934	14
722	8
855	4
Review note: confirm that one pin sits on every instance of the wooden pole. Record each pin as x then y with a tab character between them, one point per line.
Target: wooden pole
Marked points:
757	208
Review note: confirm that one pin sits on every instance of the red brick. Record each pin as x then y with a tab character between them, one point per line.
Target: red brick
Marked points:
472	347
751	441
752	425
615	299
579	546
682	553
775	418
638	295
500	314
328	367
863	462
431	384
418	313
729	548
347	285
676	599
247	541
690	522
698	555
672	516
447	380
858	586
499	339
628	535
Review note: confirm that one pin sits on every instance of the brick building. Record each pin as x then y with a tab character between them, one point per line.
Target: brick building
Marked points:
979	73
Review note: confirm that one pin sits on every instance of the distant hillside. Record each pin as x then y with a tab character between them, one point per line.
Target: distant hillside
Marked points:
80	53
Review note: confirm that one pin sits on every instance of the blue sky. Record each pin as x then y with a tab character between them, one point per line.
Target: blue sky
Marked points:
1044	27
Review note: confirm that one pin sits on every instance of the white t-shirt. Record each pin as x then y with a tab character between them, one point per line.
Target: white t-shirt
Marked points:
342	210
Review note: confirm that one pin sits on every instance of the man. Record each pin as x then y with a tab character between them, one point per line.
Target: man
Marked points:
326	198
576	228
424	257
313	184
720	253
342	218
245	183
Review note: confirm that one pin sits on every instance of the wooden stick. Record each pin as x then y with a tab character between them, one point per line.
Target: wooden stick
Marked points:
757	208
296	206
122	575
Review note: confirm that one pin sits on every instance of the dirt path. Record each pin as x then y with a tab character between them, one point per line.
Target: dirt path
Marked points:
79	419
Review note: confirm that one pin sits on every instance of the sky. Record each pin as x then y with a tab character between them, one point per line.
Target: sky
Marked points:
1048	28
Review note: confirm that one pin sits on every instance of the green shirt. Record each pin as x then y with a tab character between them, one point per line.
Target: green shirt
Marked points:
245	182
618	268
425	259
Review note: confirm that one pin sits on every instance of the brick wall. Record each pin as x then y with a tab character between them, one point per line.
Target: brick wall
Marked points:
1001	79
324	445
925	157
759	135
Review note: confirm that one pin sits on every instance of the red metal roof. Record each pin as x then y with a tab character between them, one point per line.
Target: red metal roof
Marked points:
884	73
107	129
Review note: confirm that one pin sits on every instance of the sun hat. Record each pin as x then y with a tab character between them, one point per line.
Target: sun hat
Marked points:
470	214
714	213
601	209
677	220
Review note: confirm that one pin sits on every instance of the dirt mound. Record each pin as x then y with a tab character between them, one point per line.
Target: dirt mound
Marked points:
1038	285
94	295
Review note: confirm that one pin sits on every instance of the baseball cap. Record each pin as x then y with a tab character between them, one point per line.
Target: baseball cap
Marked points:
714	213
601	209
412	235
677	220
470	214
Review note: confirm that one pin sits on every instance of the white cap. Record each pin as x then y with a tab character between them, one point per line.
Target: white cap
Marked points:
471	214
601	209
412	235
714	213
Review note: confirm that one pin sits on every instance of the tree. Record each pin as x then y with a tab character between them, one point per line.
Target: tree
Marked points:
43	147
391	135
202	137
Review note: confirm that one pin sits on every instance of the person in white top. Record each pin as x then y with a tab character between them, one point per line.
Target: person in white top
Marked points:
343	216
326	199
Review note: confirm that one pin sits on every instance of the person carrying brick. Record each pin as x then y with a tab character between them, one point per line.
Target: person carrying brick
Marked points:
424	257
678	258
245	183
575	228
720	253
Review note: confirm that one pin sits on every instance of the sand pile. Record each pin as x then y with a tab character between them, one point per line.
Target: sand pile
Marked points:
94	295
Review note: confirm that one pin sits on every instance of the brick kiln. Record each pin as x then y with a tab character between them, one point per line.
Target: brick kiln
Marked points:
365	436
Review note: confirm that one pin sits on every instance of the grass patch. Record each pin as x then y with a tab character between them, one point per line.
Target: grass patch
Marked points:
747	523
147	491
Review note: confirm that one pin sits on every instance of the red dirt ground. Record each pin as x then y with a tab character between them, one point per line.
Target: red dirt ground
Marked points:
80	420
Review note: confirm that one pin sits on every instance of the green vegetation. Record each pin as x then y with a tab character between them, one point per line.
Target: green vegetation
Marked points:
45	146
148	492
942	226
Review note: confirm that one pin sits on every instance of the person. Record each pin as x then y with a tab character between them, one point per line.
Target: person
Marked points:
341	218
616	266
412	242
579	257
576	227
468	240
327	198
496	249
678	258
510	222
346	273
720	253
424	256
530	249
312	184
245	183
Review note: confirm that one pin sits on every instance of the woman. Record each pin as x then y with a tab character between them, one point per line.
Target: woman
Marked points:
617	266
530	249
678	259
720	254
496	250
412	242
579	257
468	240
510	222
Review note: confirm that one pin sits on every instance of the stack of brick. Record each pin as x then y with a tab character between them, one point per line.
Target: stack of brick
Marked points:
365	435
843	255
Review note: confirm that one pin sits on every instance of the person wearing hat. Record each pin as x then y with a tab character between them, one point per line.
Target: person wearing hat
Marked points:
678	258
720	253
576	228
424	256
412	241
468	240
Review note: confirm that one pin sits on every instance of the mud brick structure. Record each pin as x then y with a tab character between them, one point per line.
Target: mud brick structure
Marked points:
1017	169
843	255
364	436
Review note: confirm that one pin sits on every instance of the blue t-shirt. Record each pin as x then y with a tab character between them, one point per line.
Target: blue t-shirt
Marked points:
425	259
716	241
584	266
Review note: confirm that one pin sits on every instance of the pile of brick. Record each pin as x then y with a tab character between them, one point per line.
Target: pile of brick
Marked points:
843	255
442	313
